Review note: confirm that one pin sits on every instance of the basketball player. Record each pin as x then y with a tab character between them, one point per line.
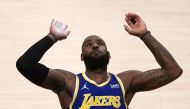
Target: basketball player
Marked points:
96	88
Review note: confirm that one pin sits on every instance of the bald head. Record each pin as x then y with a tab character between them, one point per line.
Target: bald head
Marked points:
91	38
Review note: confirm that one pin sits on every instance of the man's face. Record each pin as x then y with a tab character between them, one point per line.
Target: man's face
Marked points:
94	52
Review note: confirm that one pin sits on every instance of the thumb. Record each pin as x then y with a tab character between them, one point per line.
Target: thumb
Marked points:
127	29
67	33
130	31
52	21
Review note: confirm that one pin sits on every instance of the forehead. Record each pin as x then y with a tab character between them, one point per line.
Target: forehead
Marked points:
93	37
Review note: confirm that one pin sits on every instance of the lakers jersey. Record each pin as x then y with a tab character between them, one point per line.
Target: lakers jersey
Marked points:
90	95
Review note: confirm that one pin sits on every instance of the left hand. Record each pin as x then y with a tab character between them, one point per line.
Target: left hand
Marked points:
59	30
138	28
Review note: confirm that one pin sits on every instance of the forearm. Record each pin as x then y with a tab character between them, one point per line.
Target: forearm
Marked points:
153	78
161	54
28	64
36	51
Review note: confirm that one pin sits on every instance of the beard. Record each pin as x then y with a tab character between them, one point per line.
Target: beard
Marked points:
96	62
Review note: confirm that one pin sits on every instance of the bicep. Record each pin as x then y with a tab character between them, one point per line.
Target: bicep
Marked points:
55	80
149	80
43	76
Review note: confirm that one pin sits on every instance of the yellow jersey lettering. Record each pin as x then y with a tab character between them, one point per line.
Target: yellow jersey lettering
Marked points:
116	102
97	101
89	101
84	103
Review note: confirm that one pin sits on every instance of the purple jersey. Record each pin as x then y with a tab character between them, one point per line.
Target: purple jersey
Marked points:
90	95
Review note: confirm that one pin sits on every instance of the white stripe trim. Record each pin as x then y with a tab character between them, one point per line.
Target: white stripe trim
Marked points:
122	88
75	93
93	82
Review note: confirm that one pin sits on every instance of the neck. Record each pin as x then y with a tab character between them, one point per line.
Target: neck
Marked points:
97	75
97	71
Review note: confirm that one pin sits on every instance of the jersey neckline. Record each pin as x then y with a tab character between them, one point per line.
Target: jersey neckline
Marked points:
94	82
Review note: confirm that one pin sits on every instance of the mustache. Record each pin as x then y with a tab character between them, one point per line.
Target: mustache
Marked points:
94	51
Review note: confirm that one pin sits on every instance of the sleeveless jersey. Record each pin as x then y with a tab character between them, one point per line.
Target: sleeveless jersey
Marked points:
90	95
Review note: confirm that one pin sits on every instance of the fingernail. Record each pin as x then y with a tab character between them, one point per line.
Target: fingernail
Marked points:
126	13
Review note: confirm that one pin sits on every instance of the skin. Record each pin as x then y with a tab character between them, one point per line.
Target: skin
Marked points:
63	82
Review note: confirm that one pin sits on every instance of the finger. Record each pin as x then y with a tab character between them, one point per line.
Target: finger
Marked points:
52	21
127	28
127	19
60	25
64	27
126	14
130	31
56	23
132	15
67	33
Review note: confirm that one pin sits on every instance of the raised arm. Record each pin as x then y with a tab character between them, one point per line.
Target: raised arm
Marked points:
38	73
155	78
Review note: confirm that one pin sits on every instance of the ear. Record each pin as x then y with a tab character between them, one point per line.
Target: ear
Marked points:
81	57
109	55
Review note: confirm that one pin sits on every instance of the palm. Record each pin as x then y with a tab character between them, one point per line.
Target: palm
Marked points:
58	29
138	27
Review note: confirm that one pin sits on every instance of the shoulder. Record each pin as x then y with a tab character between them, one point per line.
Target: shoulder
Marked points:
128	76
61	79
61	74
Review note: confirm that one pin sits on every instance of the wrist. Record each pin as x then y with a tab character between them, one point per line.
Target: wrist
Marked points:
144	35
54	39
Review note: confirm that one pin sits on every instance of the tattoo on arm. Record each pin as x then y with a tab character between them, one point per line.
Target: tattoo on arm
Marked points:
149	80
161	54
153	79
156	78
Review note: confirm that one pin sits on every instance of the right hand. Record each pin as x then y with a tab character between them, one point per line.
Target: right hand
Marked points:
58	30
136	29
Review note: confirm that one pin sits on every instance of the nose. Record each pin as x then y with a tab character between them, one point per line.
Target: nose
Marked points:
95	46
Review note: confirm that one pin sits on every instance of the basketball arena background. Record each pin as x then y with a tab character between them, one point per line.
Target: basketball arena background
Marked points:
23	22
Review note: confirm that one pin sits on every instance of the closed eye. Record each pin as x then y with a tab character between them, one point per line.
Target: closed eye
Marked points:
100	42
89	44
